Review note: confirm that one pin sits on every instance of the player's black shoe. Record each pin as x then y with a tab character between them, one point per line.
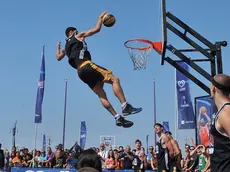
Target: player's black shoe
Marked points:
122	122
128	110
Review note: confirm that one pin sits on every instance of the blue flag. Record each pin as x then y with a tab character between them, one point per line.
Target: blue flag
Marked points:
205	113
166	126
44	142
83	135
40	91
186	118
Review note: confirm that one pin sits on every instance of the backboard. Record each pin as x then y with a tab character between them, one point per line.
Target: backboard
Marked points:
164	30
109	141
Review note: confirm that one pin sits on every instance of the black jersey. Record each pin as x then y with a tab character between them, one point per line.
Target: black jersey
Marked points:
76	50
220	159
162	156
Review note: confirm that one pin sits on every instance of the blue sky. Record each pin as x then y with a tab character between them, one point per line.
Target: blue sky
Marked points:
26	26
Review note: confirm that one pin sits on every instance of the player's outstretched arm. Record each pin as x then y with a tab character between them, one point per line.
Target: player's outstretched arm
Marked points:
94	30
60	54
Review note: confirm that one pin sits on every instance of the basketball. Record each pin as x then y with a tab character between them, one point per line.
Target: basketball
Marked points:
109	20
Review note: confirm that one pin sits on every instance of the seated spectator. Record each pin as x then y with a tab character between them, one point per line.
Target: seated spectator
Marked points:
70	161
138	145
49	157
37	157
118	162
207	155
16	161
59	160
42	159
25	163
140	162
7	158
110	161
103	154
127	158
149	156
202	159
154	162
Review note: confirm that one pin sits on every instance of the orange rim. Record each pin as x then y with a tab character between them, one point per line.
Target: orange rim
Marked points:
153	45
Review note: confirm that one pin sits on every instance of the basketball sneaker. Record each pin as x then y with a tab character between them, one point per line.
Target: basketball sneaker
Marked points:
122	122
129	109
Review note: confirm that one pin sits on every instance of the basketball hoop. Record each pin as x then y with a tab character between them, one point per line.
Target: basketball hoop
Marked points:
139	51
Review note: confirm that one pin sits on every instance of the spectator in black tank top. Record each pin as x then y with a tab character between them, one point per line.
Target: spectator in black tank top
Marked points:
220	129
94	75
164	149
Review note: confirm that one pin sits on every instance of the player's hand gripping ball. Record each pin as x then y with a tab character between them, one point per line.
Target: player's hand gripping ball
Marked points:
109	20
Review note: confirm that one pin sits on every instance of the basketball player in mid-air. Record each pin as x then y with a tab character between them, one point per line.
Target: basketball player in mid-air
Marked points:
93	75
220	129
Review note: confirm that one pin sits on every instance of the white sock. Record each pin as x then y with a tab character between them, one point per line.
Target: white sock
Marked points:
123	105
117	116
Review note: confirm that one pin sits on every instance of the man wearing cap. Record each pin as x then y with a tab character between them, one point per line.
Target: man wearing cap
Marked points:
220	129
164	149
176	160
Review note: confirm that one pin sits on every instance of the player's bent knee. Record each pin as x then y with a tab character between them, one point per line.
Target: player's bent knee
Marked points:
115	79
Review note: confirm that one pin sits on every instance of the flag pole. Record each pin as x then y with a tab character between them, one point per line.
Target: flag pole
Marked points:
14	134
64	121
147	143
35	143
176	111
154	113
39	100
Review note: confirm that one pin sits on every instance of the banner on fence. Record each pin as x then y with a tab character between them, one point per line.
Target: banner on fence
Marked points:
205	113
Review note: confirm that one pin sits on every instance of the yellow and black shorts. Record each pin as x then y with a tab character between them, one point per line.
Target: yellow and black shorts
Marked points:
92	74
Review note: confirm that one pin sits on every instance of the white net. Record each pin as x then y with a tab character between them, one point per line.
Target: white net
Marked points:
139	53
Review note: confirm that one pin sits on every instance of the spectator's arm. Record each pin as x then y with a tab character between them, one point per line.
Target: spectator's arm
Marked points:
207	166
189	169
193	142
194	151
153	165
182	163
168	144
129	156
102	158
50	159
145	163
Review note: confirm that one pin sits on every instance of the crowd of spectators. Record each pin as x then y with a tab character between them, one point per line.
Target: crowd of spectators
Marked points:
196	158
